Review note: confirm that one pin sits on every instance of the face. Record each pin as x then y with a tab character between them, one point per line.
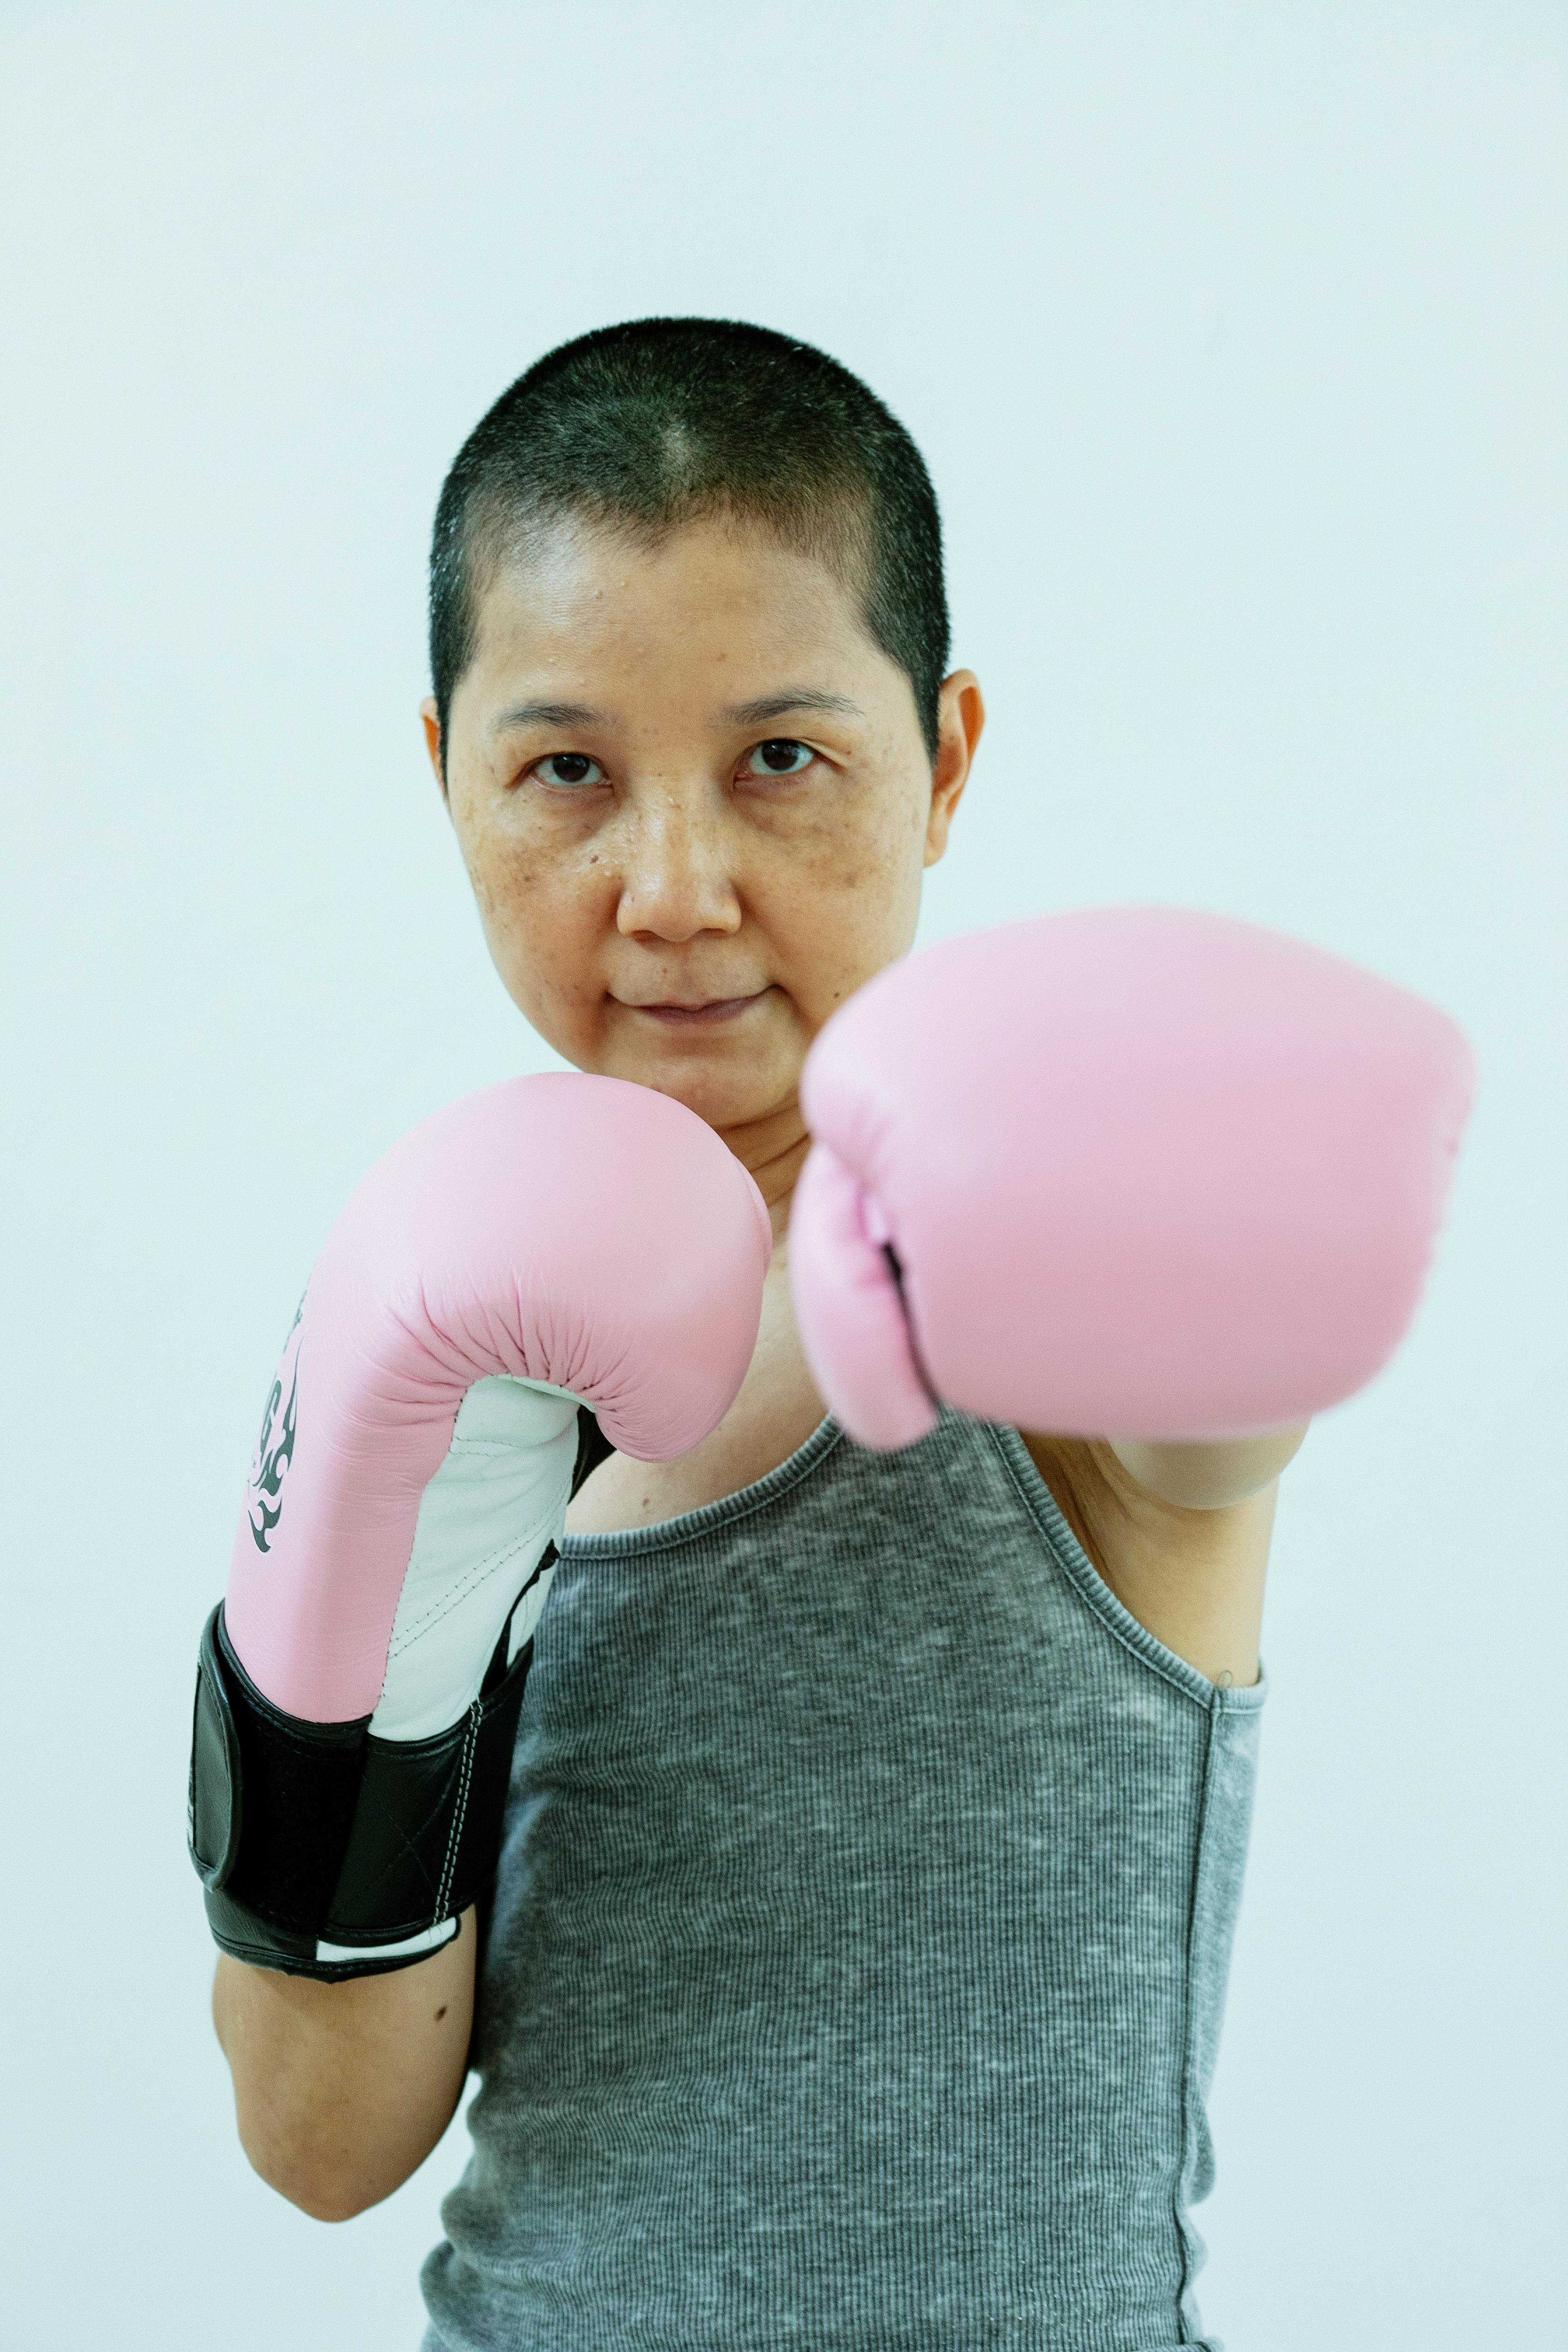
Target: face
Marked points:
694	804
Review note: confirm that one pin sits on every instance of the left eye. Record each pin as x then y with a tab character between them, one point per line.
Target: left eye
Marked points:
779	757
570	768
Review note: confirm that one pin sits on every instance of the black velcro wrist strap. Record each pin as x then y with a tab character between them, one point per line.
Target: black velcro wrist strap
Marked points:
309	1835
324	1849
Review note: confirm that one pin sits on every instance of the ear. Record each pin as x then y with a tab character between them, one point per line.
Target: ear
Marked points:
961	717
431	716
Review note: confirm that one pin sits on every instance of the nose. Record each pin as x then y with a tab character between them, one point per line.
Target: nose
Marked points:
676	878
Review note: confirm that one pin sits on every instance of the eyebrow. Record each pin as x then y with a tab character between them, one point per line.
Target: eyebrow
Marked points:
797	698
738	714
545	714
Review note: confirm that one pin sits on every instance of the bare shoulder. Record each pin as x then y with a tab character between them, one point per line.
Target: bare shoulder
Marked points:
1191	1569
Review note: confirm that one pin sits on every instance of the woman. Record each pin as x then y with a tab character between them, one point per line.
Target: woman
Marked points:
859	1942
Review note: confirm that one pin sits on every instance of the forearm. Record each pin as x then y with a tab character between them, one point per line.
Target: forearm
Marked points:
342	2090
1211	1476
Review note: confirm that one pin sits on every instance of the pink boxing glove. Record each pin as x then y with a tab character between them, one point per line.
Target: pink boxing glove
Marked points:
556	1243
1133	1173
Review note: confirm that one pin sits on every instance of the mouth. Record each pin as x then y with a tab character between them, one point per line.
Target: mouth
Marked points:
710	1012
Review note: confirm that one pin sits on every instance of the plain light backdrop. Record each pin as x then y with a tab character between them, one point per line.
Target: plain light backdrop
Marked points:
1233	336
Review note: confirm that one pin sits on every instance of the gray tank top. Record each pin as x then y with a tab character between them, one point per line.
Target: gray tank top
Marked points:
860	1938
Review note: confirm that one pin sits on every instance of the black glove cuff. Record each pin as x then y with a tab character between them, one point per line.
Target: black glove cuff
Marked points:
328	1853
322	1849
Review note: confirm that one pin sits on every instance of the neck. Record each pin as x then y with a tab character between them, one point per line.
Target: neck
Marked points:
773	1151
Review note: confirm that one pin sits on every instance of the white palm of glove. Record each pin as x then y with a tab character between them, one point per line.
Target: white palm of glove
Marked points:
485	1521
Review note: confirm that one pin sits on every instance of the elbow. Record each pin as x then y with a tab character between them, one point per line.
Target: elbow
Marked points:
1209	1477
337	2099
333	2202
328	2183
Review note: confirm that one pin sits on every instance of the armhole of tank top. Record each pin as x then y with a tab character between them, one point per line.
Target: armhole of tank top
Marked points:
1091	1588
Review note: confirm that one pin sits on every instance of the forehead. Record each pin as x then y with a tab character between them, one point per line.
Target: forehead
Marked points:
701	592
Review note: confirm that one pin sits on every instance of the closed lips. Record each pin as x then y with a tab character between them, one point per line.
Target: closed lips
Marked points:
711	1009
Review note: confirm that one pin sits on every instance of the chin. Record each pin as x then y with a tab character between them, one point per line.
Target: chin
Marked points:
722	1097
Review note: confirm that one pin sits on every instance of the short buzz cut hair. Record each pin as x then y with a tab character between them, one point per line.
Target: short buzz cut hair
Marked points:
661	421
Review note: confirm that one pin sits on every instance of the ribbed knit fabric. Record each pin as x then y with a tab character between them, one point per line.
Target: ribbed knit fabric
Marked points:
860	1939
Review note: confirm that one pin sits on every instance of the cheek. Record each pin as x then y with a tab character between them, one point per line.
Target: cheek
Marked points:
542	917
850	899
872	839
506	881
879	856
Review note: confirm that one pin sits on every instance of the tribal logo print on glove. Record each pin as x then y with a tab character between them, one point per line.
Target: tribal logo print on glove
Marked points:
264	1488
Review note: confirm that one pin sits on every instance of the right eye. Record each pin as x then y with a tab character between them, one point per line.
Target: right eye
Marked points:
568	769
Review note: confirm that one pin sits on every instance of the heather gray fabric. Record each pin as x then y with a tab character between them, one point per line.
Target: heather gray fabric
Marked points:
860	1939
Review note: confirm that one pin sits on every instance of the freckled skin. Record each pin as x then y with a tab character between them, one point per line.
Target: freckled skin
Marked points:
673	867
677	872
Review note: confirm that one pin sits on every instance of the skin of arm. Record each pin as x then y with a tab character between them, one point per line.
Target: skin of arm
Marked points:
1180	1533
341	2090
1212	1476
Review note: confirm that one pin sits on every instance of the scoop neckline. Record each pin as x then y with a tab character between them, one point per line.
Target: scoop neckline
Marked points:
666	1535
661	1534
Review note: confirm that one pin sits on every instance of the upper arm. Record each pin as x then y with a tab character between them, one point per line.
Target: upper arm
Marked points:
342	2090
1184	1546
1212	1476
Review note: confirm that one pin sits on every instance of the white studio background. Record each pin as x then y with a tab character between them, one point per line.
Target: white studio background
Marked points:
1235	337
